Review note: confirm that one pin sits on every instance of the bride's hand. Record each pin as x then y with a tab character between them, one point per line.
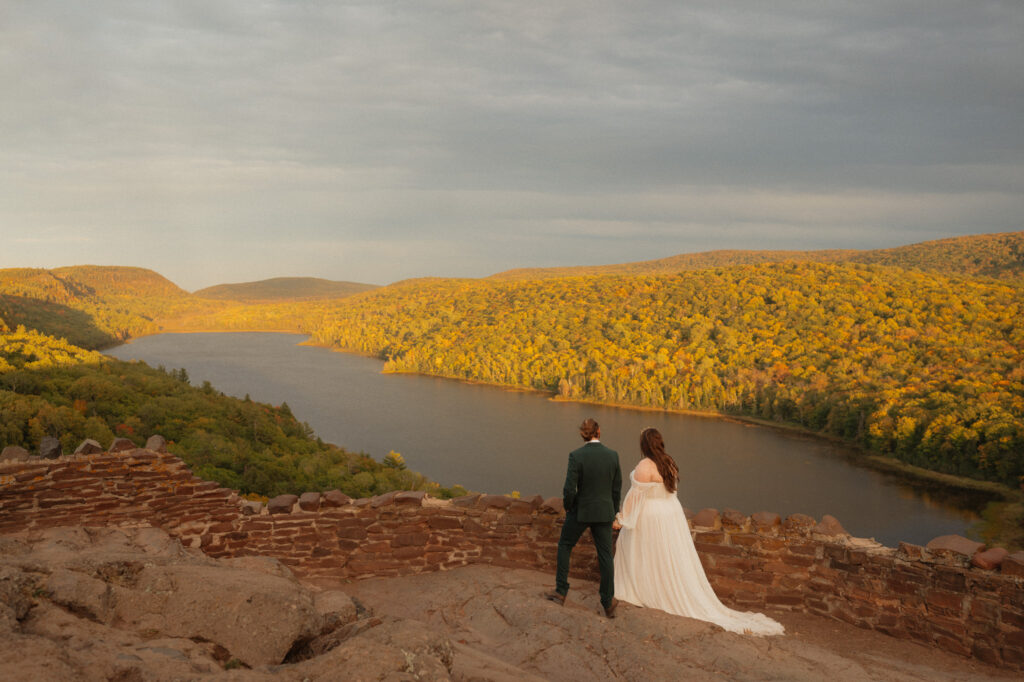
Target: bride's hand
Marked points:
616	525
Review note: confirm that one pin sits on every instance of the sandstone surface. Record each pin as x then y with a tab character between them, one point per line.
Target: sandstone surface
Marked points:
502	629
133	604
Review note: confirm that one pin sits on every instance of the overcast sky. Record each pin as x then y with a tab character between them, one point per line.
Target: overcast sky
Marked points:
224	141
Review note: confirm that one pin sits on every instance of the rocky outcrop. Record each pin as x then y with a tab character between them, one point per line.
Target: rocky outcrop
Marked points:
101	603
142	580
934	596
502	629
134	604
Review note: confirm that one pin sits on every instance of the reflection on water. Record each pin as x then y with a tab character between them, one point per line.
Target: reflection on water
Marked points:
494	440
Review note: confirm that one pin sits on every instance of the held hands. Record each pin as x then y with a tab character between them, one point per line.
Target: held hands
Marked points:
616	525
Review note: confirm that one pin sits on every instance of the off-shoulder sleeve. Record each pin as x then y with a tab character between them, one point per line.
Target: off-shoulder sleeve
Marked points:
632	505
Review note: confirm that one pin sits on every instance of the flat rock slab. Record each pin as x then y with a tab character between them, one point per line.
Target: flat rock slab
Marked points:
133	604
502	628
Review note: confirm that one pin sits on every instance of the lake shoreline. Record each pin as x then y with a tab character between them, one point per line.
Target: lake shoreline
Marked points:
515	439
853	452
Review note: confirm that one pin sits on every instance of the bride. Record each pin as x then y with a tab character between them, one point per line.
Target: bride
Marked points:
656	564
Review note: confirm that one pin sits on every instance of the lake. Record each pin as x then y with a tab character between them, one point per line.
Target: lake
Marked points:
493	440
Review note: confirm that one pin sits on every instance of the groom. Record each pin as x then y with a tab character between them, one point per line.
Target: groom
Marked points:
593	486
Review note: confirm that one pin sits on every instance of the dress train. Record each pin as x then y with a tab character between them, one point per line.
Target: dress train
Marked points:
657	566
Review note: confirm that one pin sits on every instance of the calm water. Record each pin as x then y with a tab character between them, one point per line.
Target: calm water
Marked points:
494	440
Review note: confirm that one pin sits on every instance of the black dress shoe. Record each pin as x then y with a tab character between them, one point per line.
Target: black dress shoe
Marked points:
609	610
555	597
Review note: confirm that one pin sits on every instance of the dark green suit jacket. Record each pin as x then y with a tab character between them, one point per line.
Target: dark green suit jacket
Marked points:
593	484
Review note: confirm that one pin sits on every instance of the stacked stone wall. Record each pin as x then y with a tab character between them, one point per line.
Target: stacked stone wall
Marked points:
753	562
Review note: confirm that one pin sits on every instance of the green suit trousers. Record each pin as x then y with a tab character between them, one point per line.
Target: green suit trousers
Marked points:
602	534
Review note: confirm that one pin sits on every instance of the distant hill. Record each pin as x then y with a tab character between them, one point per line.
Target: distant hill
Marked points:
999	256
89	305
115	280
284	288
64	285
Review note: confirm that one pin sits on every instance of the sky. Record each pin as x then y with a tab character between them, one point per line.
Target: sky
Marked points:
224	141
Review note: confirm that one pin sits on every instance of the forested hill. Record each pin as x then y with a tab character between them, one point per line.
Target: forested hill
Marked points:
92	306
49	387
903	361
914	365
64	285
997	256
115	280
284	288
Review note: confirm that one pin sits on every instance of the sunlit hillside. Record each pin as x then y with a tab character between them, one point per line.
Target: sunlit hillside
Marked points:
998	256
915	365
49	387
92	306
898	358
113	280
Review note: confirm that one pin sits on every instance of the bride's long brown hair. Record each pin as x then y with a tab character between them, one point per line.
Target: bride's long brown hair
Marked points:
653	447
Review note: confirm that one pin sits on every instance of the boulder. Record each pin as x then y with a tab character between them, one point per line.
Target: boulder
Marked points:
412	498
466	500
829	525
734	519
707	518
1013	564
256	616
497	501
950	545
50	448
553	505
252	508
121	445
143	581
910	551
335	498
990	559
282	504
383	500
309	502
764	520
335	608
156	443
536	501
88	447
14	453
798	524
520	506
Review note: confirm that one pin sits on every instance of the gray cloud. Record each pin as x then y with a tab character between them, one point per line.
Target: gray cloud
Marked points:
375	141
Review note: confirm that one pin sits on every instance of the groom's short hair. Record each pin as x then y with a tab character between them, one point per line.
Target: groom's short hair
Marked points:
590	429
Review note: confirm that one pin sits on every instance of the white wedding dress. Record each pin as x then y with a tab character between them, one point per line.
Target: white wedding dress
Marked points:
656	564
